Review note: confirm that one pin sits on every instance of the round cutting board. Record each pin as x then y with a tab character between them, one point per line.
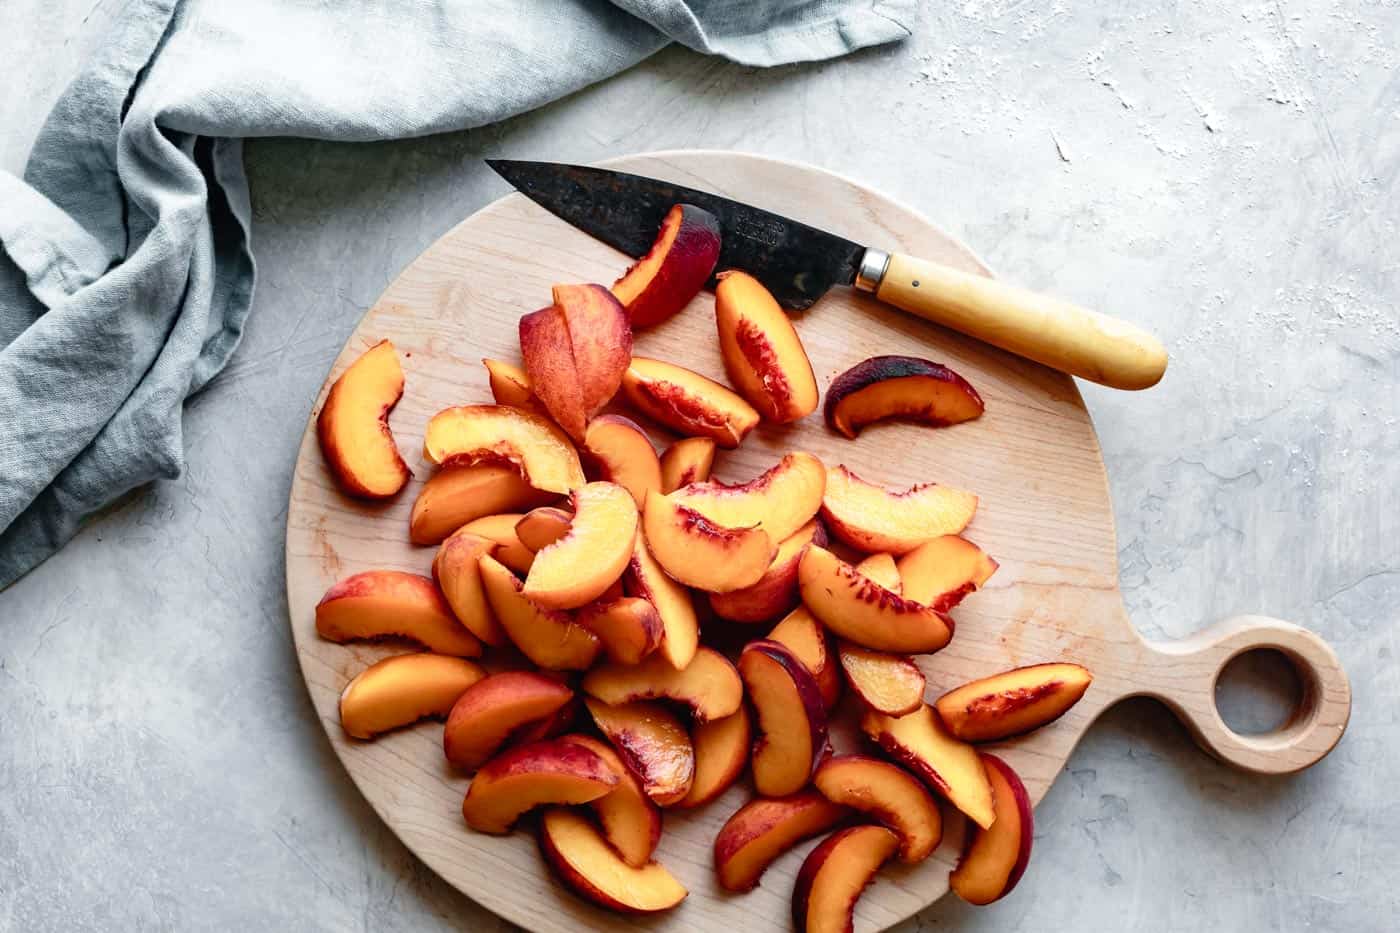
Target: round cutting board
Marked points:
1033	459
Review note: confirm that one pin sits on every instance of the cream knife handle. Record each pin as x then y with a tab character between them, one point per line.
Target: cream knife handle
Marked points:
1061	335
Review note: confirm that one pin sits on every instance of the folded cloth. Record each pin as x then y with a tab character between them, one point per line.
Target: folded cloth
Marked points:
129	270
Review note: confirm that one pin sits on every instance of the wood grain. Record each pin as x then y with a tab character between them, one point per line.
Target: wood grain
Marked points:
1033	458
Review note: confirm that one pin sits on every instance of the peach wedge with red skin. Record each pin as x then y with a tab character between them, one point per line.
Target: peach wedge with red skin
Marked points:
470	434
873	519
575	352
653	743
791	717
687	402
941	572
833	876
622	453
899	387
775	593
674	270
889	795
527	776
538	528
628	627
688	460
709	685
807	639
680	628
630	821
457	571
511	386
393	604
781	500
490	710
401	690
457	495
551	638
764	829
552	726
584	861
353	426
721	752
762	353
948	765
994	859
887	683
579	567
859	610
1013	702
697	552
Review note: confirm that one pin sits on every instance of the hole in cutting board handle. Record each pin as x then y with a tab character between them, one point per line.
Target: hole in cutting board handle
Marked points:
1260	691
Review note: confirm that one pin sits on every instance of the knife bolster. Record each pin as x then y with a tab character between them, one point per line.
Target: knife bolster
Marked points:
871	273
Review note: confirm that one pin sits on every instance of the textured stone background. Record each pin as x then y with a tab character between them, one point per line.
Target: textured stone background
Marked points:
1225	173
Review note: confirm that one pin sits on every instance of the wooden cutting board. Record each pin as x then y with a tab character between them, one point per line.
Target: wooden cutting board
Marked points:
1033	458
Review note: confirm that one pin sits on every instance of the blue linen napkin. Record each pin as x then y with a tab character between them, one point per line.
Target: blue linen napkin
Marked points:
128	269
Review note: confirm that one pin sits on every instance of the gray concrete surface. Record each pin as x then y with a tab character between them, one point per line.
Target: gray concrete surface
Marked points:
1224	172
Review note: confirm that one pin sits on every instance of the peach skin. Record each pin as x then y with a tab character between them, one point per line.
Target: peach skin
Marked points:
994	858
765	828
674	270
834	875
762	353
791	717
899	387
392	604
527	776
776	592
491	709
353	426
620	452
807	639
584	861
401	690
628	627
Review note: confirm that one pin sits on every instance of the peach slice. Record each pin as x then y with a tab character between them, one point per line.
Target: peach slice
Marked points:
721	751
709	685
575	352
780	501
762	353
500	531
552	726
623	454
471	434
920	743
688	460
941	572
584	861
791	717
858	609
763	829
803	634
401	690
899	387
833	876
882	570
872	519
527	776
455	496
630	821
353	426
510	386
629	628
697	552
488	711
653	743
538	528
887	683
994	859
889	795
674	270
550	638
393	604
775	593
579	567
644	578
1017	701
457	573
687	402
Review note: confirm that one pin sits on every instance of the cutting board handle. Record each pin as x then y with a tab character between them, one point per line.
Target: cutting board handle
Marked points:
1183	675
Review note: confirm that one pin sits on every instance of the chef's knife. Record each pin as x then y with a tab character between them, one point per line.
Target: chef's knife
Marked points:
798	264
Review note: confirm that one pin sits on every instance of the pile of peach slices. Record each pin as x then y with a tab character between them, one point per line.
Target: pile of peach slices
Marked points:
585	562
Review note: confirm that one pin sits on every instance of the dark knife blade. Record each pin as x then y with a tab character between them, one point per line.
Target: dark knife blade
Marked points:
797	263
